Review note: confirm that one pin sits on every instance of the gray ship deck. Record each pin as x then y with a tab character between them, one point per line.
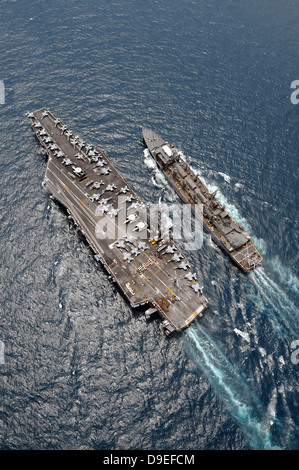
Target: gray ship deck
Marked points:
224	230
83	179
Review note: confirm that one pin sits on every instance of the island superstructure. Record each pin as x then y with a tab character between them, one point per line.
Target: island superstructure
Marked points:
224	230
148	271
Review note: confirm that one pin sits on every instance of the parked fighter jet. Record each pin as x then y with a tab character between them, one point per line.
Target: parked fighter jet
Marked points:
142	246
196	287
191	276
136	205
105	171
120	244
123	190
183	266
97	184
80	144
128	239
176	257
128	257
79	156
129	198
110	187
94	197
104	200
68	134
67	161
135	251
113	212
170	249
104	208
101	163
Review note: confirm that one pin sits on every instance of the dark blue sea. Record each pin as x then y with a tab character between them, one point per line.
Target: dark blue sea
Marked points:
79	368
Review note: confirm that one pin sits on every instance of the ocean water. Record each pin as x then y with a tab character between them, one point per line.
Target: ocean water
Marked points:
79	368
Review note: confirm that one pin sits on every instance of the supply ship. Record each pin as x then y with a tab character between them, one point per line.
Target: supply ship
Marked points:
228	234
113	219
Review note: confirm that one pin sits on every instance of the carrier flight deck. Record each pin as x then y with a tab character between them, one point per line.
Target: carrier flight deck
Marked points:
114	221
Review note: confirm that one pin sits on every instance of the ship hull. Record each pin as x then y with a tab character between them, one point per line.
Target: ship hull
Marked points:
113	220
243	255
205	226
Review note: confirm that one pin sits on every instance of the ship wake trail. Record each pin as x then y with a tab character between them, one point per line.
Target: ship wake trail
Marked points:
285	275
158	178
229	384
275	301
281	309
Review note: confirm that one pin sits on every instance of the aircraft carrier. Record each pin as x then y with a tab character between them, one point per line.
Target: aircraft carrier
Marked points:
224	230
114	222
